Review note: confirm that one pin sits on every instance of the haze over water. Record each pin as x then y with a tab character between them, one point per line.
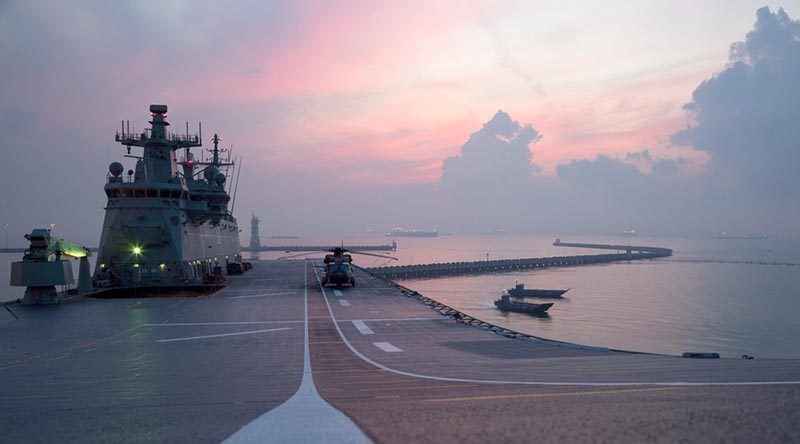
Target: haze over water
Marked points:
662	306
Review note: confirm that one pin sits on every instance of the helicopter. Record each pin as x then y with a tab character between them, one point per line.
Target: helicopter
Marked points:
338	269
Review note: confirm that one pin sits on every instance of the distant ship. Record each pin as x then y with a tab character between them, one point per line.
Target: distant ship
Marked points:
402	232
724	235
629	233
166	222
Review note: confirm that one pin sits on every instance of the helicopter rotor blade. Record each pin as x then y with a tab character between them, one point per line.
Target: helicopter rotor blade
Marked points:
373	254
300	255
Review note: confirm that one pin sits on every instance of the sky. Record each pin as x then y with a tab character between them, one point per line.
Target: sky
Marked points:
676	118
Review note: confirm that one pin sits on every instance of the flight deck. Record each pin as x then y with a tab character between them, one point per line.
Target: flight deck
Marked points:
276	357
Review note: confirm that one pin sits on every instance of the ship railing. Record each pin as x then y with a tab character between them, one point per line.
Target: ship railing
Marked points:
133	138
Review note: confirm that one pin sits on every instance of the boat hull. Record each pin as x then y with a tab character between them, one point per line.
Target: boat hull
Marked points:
534	293
522	307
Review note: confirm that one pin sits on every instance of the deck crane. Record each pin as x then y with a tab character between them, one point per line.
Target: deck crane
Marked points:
43	267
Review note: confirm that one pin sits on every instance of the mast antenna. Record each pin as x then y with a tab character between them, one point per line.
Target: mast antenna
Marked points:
230	182
236	188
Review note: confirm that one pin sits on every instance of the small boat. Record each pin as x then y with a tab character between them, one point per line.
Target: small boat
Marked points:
506	304
519	291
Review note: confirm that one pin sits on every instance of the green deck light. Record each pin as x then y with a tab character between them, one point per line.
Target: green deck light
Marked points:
136	250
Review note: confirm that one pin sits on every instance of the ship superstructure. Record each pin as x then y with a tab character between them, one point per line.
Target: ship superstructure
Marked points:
166	222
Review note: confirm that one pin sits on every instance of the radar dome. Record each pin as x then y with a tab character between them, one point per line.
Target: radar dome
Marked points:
158	109
219	178
210	173
116	169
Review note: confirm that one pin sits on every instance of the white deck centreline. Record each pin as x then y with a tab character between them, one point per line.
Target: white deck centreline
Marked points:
305	417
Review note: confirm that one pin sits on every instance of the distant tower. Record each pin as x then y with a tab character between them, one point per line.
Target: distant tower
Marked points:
255	239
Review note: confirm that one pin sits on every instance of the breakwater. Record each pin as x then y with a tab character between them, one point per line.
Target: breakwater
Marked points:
422	271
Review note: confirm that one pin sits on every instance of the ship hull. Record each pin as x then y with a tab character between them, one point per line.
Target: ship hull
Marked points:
160	246
419	234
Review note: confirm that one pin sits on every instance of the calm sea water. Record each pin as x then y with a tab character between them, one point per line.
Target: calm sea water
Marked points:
665	306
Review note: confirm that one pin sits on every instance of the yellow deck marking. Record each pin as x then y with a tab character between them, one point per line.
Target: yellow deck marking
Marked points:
68	349
545	395
421	387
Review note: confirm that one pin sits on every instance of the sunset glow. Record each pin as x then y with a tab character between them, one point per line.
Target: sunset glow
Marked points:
374	94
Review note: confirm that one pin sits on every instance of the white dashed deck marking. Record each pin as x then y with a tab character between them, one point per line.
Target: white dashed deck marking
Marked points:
362	328
387	347
344	302
337	293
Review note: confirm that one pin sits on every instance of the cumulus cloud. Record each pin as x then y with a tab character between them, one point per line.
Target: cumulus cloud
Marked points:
601	173
748	115
665	166
497	158
643	155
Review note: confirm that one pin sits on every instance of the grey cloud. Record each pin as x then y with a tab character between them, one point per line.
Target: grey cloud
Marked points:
498	157
643	155
747	116
602	172
666	167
